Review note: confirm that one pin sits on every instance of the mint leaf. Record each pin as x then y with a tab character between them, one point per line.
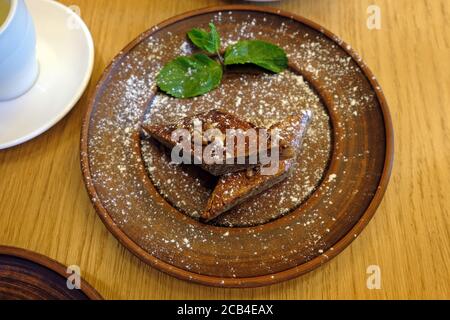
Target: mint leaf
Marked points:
187	77
260	53
208	41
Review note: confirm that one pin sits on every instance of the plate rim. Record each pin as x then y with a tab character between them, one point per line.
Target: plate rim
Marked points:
50	264
76	96
245	282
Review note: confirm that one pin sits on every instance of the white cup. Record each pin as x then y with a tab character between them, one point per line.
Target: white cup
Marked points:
19	67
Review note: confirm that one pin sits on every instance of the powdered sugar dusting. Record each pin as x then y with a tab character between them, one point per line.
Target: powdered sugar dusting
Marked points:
325	72
272	98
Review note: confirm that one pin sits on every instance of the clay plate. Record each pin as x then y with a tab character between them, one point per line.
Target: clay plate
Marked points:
25	275
297	226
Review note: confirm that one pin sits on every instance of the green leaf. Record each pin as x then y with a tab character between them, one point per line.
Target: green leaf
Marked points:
260	53
208	41
187	77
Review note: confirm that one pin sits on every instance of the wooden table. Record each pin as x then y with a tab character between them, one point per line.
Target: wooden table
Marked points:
44	206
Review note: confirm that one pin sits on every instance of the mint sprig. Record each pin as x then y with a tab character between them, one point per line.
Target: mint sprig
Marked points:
187	77
257	52
208	41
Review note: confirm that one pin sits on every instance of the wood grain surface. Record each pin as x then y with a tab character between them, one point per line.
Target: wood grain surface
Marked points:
44	206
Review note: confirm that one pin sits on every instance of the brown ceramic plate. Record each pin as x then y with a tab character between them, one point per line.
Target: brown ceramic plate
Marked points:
25	275
295	227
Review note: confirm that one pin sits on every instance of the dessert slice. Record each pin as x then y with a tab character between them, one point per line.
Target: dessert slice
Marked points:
218	122
235	188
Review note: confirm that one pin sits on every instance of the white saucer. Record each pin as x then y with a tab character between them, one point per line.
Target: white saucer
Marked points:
66	58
